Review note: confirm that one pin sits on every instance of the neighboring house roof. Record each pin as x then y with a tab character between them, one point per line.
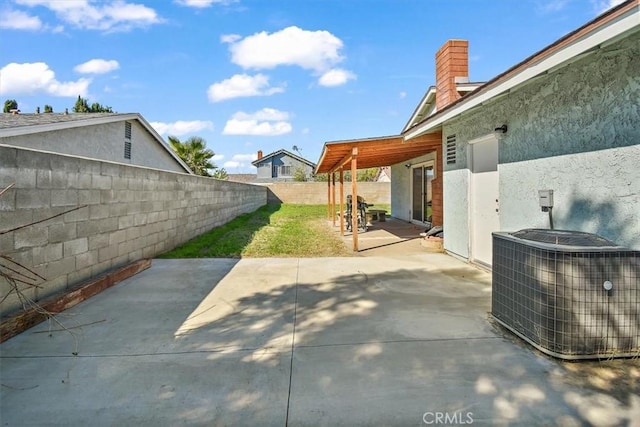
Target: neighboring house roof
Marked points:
283	151
26	124
618	22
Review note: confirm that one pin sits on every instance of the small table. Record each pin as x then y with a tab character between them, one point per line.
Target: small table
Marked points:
378	214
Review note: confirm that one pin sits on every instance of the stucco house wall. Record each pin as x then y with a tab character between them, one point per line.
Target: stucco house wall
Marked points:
575	131
281	159
102	142
401	201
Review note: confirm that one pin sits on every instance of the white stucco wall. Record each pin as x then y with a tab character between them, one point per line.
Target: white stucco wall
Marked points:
102	142
597	192
401	186
575	131
456	212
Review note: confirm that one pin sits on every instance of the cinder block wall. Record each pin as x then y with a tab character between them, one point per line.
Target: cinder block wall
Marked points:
131	213
315	193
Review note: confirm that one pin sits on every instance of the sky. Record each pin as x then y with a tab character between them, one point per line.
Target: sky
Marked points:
249	75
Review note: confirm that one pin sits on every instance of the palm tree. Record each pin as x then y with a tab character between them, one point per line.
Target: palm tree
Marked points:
194	153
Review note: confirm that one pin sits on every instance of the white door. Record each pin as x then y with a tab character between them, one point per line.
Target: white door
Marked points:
484	205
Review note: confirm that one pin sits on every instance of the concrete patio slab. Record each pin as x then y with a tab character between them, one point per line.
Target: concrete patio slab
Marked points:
324	341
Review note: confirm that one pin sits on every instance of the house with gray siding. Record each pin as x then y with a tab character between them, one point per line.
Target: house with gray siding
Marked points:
565	119
121	138
281	166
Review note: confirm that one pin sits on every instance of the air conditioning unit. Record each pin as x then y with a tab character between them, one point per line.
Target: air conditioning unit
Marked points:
570	294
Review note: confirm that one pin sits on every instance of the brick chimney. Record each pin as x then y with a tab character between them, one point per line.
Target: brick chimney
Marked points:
259	154
452	60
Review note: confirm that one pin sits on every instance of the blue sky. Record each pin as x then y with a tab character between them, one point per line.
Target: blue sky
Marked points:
251	75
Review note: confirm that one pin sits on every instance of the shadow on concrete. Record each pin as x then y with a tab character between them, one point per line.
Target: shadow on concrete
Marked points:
296	346
388	237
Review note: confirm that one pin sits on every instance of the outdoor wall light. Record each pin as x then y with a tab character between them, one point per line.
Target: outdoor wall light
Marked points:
407	165
501	129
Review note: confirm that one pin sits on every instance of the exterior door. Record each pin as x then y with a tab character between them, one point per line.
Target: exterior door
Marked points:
422	193
484	207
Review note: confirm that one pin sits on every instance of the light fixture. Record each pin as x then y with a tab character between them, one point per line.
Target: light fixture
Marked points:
501	129
407	165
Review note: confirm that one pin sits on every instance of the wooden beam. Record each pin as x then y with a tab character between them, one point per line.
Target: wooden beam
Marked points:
333	198
328	196
341	202
354	197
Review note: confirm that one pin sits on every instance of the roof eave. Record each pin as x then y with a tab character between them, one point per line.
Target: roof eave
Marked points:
619	20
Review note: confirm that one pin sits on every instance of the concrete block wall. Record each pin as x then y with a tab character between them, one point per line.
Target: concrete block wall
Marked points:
315	193
129	213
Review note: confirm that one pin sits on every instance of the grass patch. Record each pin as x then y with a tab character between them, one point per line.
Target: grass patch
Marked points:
272	231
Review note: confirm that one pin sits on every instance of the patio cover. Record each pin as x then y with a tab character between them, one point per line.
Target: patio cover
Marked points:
355	154
375	152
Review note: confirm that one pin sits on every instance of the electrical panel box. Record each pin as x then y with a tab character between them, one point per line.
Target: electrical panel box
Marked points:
546	199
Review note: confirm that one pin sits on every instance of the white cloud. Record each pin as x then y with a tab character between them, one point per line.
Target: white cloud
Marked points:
242	85
603	5
244	157
240	161
312	50
336	77
217	157
403	95
264	114
117	15
551	6
201	4
230	38
19	20
97	66
38	78
265	122
181	127
253	127
231	164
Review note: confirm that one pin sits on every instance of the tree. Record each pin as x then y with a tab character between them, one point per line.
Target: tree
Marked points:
82	106
48	108
299	175
10	104
364	175
220	173
194	153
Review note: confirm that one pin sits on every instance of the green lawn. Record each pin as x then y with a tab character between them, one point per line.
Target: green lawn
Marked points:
272	231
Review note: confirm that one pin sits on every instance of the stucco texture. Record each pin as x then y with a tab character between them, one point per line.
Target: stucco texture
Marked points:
575	131
102	142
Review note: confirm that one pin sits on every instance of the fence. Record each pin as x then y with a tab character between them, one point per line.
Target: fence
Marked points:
118	214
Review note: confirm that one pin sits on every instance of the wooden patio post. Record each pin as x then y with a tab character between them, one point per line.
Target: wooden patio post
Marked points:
341	202
328	195
333	197
354	197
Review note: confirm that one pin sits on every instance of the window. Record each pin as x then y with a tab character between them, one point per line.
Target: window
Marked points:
280	171
451	149
127	140
285	170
